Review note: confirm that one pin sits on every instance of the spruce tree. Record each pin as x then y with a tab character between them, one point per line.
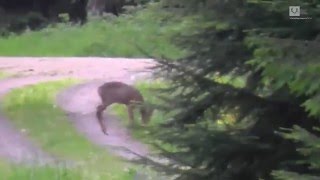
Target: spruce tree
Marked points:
246	98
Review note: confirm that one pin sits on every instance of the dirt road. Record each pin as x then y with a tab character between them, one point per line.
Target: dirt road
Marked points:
83	68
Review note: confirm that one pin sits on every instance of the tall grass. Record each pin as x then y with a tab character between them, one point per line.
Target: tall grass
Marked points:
32	109
99	37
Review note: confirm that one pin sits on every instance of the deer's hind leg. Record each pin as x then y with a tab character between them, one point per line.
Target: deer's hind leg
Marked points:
99	113
130	109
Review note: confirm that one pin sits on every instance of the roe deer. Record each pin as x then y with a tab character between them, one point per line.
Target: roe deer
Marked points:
121	93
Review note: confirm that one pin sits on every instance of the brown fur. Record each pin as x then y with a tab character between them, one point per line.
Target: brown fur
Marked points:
121	93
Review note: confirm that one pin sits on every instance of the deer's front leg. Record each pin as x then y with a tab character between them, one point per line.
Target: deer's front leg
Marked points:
102	124
130	114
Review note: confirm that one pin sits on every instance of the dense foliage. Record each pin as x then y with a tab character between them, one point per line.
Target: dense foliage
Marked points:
267	128
18	15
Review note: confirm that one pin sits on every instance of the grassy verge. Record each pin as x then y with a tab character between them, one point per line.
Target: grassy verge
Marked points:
99	37
4	75
32	109
16	172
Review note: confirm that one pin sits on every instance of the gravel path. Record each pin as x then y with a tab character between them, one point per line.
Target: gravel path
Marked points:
82	68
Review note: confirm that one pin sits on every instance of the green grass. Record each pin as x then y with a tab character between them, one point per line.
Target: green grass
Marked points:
112	37
19	172
31	108
15	172
4	75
